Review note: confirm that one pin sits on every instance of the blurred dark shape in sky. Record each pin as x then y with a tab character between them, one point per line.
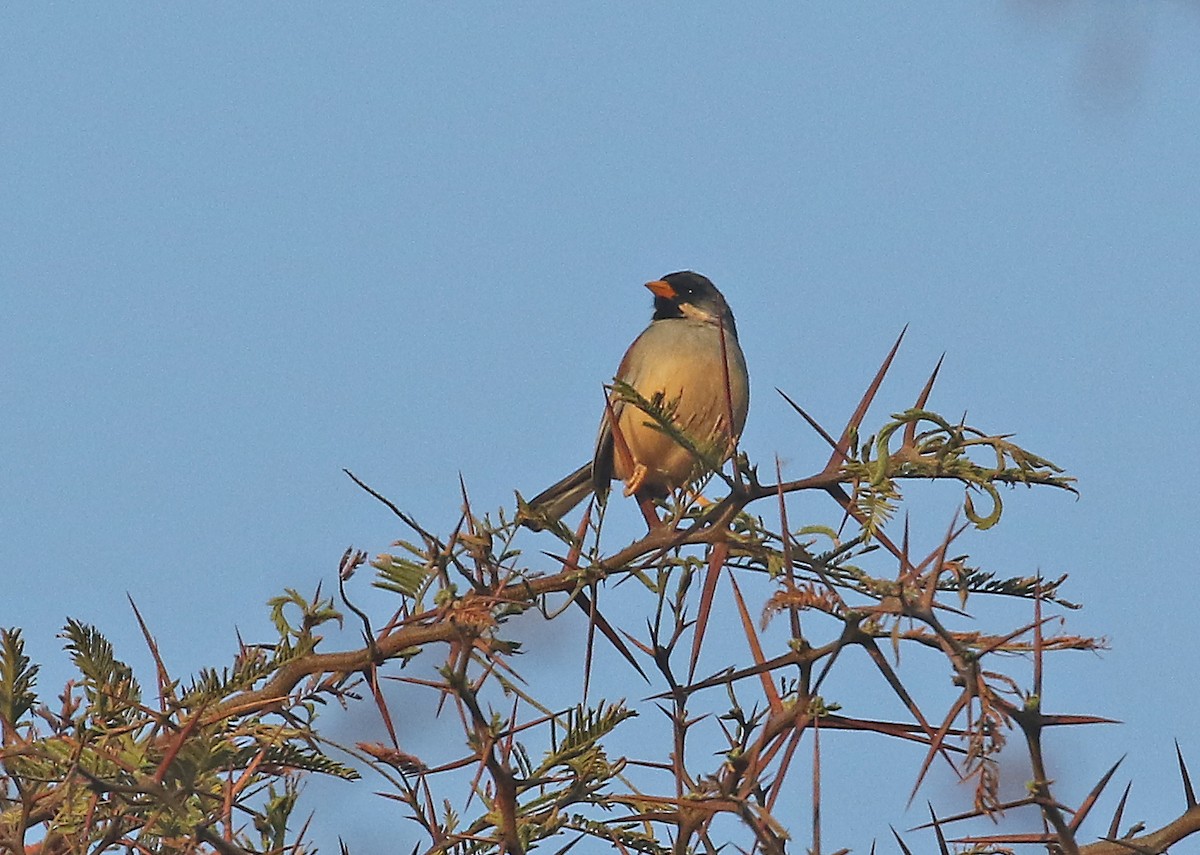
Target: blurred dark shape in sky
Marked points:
1109	46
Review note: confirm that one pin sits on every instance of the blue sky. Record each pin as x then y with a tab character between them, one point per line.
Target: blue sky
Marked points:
244	247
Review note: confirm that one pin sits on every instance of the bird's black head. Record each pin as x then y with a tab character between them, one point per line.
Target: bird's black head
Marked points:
689	295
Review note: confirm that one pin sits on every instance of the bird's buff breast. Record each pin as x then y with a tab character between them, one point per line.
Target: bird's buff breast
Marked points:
687	370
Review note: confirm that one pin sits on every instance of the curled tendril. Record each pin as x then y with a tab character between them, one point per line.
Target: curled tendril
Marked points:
941	451
983	522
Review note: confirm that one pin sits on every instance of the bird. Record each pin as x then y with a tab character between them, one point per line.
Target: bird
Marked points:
675	363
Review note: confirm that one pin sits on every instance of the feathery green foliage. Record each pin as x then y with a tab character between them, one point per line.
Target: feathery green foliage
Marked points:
18	676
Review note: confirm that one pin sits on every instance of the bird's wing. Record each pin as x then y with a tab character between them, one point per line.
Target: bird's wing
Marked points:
639	359
602	458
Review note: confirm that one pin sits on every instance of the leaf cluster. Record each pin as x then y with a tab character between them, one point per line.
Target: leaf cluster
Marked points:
102	770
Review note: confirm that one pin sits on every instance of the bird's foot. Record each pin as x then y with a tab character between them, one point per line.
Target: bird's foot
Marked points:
635	480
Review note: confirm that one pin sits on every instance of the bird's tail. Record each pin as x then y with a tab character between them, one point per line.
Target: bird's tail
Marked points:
556	501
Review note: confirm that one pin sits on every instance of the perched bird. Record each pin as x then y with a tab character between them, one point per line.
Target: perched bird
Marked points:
677	364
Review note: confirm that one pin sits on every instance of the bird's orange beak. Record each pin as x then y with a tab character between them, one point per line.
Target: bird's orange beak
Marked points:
662	288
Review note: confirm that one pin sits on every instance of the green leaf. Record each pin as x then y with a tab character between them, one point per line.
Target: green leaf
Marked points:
18	676
108	682
400	575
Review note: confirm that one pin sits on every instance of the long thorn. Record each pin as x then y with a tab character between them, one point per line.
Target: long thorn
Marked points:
811	421
1188	792
843	444
910	431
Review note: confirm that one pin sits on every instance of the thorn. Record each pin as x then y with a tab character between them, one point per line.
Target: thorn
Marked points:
910	430
773	699
1039	644
939	567
1090	801
1188	792
903	848
789	565
716	561
937	829
843	444
811	421
1115	826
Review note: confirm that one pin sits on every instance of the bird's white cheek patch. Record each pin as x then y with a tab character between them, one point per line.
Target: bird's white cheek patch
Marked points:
696	314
